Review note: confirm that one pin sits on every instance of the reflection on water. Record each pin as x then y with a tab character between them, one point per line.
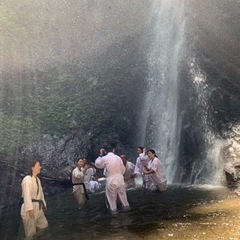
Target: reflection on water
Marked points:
179	213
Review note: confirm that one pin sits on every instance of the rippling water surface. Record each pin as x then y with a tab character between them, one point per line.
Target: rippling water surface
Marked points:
179	213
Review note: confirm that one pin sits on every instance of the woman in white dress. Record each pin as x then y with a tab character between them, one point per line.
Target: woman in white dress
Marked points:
155	170
34	204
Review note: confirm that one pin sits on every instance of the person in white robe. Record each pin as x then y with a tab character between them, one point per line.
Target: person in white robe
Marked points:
79	189
129	176
89	180
155	170
34	204
94	186
115	185
139	166
88	177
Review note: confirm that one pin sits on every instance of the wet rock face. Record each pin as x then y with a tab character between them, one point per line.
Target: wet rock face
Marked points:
232	155
57	155
209	97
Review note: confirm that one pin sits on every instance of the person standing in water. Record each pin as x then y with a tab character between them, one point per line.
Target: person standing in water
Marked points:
79	189
129	177
115	185
139	166
34	204
88	176
155	170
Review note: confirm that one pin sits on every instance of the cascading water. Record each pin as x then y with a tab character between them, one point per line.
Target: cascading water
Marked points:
208	167
160	120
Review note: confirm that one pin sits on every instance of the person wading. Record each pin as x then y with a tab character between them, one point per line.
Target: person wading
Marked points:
79	189
34	203
115	185
155	170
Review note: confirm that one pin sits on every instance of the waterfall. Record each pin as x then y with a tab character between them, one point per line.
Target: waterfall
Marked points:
160	121
167	126
208	167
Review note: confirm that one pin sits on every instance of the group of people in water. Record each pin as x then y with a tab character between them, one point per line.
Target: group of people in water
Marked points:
119	173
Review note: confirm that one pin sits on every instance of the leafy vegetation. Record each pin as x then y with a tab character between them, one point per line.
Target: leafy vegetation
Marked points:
59	74
100	105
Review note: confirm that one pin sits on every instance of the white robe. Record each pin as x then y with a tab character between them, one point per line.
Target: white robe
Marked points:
78	190
87	178
158	178
32	190
115	185
129	181
94	185
77	177
139	168
143	158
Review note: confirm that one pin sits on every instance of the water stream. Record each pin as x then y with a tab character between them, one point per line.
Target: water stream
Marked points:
162	122
179	213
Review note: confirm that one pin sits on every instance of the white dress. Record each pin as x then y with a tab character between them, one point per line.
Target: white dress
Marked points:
129	181
32	191
78	190
158	178
90	184
139	168
87	178
115	185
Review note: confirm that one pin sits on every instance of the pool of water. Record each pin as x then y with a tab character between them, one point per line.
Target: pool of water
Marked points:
182	212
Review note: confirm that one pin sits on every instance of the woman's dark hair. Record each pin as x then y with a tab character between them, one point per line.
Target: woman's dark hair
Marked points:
152	151
141	148
30	165
78	159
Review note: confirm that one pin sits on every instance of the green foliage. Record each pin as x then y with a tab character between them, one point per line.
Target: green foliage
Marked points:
99	103
55	77
93	104
16	131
